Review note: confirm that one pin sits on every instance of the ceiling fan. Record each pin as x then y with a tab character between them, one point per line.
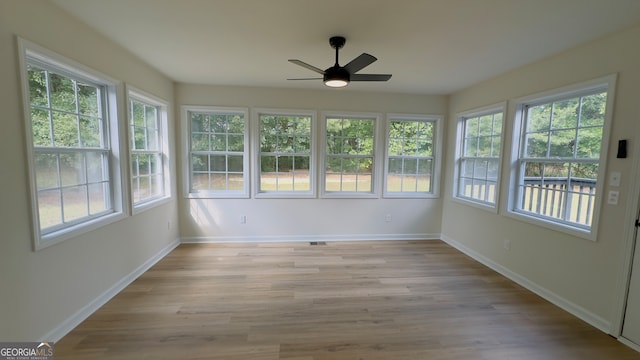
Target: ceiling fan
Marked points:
340	76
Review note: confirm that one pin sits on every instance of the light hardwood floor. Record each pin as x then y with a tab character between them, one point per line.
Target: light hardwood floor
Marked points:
342	300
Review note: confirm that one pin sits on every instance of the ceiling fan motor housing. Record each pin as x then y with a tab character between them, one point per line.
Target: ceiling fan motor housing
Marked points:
336	73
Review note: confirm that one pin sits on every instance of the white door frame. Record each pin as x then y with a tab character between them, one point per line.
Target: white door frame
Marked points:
627	247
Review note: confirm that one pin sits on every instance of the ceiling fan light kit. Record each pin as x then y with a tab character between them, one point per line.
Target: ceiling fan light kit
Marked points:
341	76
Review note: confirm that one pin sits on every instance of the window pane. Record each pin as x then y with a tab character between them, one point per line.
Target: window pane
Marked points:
40	127
539	118
480	157
65	130
200	163
63	95
565	114
97	167
37	86
72	169
593	110
589	141
485	125
74	203
99	198
471	146
563	143
218	142
88	100
236	143
199	142
283	139
90	132
46	166
218	163
537	145
49	208
218	181
236	163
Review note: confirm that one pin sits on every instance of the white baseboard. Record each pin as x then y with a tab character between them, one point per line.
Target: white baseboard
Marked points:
66	326
574	309
629	343
306	238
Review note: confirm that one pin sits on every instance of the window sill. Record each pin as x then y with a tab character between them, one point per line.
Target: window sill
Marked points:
566	229
56	237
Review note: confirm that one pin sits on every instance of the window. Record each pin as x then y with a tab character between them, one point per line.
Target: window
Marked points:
148	150
478	156
411	161
563	141
72	157
217	152
349	162
285	156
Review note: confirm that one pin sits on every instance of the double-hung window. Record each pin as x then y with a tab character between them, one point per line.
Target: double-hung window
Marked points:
285	153
217	152
559	165
411	156
72	146
148	149
350	155
478	156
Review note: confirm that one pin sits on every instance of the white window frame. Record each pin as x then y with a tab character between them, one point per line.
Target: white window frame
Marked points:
378	154
257	153
606	83
499	108
163	143
436	155
114	93
186	157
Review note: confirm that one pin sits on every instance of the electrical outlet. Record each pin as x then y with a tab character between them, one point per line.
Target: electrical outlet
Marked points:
507	244
243	219
388	218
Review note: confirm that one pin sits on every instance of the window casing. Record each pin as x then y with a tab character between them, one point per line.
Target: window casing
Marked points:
411	159
148	150
563	139
350	160
217	152
478	156
72	142
285	159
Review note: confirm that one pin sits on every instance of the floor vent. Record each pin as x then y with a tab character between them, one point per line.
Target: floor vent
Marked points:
316	243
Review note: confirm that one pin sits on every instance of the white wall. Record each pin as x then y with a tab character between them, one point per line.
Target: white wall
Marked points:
582	273
40	291
305	219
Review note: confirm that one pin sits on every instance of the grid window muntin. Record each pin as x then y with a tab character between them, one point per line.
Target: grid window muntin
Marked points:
74	170
411	156
147	149
285	159
557	177
350	154
70	147
479	160
217	152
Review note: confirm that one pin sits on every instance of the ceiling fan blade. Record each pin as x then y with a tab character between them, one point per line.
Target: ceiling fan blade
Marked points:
305	65
360	63
306	79
370	77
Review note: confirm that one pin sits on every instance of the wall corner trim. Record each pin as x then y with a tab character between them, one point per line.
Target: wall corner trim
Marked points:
69	324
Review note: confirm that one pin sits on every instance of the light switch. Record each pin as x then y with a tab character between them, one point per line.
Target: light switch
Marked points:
614	178
613	197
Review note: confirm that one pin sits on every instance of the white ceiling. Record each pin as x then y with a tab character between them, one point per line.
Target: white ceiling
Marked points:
430	46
